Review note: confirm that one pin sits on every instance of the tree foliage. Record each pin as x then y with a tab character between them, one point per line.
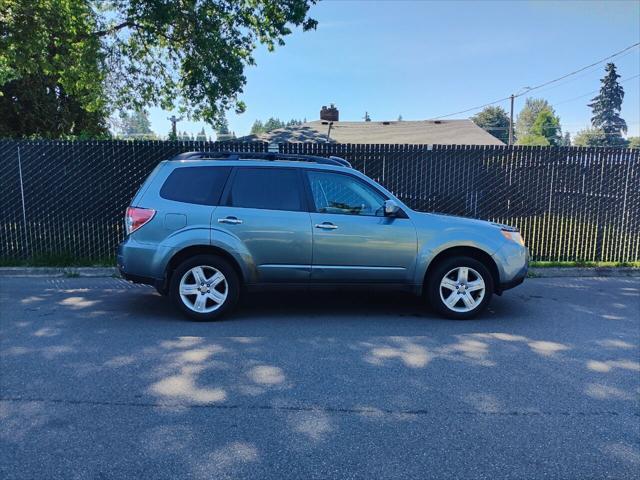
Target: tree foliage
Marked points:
202	136
52	70
606	108
590	137
272	123
547	125
135	125
533	139
71	61
634	142
529	113
495	121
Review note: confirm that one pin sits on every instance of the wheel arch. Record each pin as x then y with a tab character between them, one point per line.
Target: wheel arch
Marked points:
465	251
193	250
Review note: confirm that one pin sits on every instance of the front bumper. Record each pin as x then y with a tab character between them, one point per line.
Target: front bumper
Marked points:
515	281
513	265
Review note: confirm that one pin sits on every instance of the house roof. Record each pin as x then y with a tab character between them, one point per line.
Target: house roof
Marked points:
441	132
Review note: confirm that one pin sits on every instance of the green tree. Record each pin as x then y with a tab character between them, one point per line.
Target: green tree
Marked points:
135	125
590	137
202	136
634	142
566	140
273	124
606	108
529	113
79	59
547	125
532	139
52	70
257	128
224	134
495	121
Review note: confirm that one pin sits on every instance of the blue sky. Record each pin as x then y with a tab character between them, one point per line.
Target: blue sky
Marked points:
424	59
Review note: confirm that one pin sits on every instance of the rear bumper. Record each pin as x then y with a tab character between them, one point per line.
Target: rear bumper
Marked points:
131	259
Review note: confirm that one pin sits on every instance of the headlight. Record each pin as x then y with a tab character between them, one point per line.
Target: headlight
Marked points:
513	236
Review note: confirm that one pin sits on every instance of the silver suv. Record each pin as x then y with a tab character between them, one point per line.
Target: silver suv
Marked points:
204	226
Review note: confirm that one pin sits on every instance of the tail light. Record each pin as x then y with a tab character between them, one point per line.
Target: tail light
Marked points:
136	217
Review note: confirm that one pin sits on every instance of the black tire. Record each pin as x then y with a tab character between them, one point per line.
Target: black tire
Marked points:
232	286
438	273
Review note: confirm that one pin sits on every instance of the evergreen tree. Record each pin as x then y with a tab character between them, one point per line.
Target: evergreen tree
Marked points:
224	134
590	137
135	125
547	125
534	140
606	108
273	124
202	136
529	113
257	128
495	121
566	140
223	126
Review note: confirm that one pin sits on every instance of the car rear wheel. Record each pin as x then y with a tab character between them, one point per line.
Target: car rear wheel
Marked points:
205	287
460	287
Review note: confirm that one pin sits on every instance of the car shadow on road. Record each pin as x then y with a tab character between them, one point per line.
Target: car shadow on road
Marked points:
327	306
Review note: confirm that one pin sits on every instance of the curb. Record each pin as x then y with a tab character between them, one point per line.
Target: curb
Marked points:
550	272
59	272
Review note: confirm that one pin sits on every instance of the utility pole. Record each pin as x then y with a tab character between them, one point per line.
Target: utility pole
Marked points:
174	120
511	121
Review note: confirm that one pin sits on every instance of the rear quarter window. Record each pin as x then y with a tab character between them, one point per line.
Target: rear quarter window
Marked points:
201	185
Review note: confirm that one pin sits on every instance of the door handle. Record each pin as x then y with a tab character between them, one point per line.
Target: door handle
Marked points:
326	226
230	220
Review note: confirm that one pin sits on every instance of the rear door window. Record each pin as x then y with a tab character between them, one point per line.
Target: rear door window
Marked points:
266	188
200	185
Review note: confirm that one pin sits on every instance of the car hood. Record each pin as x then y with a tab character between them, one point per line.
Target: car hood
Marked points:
452	221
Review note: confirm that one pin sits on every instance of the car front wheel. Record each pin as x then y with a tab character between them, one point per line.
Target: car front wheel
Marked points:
460	287
205	287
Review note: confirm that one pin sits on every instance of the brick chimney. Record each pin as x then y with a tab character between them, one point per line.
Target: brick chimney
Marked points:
330	114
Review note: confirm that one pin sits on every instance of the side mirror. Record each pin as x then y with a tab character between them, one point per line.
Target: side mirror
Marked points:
391	208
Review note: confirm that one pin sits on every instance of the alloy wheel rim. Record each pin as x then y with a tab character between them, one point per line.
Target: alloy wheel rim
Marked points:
462	289
203	289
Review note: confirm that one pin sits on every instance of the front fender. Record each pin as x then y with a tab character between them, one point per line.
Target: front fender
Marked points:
451	238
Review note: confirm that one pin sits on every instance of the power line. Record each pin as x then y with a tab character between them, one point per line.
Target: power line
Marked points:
529	89
591	92
578	71
474	108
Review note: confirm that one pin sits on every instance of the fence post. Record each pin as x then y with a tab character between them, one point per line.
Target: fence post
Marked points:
24	210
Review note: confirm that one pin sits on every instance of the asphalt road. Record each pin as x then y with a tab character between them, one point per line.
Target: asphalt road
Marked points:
103	380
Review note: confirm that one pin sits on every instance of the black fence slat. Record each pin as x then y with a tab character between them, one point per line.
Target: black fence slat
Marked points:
67	198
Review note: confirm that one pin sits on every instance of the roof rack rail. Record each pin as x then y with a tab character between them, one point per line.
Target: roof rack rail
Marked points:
269	156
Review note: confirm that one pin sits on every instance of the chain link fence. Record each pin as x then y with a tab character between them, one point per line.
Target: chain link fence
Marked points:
67	199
